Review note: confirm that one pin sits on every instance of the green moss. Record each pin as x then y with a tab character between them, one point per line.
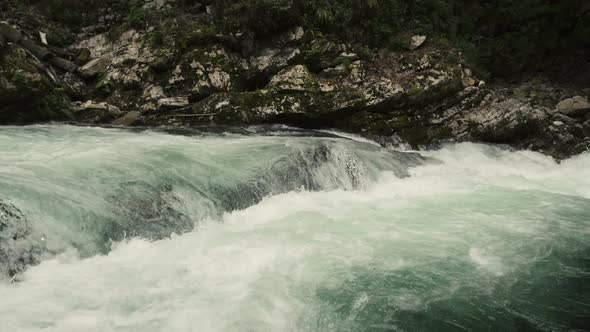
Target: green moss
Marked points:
263	17
136	18
500	38
31	99
104	87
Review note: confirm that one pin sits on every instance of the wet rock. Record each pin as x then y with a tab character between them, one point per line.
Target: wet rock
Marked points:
20	246
575	106
168	104
147	211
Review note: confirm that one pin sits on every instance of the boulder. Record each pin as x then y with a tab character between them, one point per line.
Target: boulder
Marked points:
19	245
146	211
83	57
270	61
95	68
93	112
296	78
575	107
128	119
173	103
417	41
290	36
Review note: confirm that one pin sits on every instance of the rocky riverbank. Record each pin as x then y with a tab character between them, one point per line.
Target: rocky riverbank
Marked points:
169	63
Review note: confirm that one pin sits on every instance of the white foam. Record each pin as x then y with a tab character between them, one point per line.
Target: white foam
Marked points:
260	267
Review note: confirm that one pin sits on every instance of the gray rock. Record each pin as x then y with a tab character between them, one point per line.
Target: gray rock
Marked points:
417	41
153	92
19	245
271	60
129	119
168	104
94	68
296	78
575	106
93	112
564	119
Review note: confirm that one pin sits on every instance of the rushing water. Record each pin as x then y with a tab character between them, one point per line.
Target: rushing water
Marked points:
288	231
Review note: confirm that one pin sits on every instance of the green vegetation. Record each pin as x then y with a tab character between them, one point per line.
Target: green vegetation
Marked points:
503	36
72	13
30	98
136	18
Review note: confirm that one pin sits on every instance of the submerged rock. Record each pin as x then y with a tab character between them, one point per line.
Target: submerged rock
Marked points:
20	247
146	211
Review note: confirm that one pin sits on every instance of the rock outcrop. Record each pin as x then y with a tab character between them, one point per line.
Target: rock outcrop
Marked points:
178	66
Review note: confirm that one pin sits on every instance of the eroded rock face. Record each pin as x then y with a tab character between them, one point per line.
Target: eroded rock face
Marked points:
20	247
297	78
494	120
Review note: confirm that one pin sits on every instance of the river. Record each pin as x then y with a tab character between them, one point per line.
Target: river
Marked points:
277	229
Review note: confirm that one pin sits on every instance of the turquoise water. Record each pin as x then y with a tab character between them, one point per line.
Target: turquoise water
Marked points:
288	231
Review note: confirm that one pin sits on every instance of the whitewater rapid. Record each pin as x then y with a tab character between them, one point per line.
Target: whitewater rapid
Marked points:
288	231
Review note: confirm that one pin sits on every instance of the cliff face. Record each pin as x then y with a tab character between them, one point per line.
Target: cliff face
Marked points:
187	63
